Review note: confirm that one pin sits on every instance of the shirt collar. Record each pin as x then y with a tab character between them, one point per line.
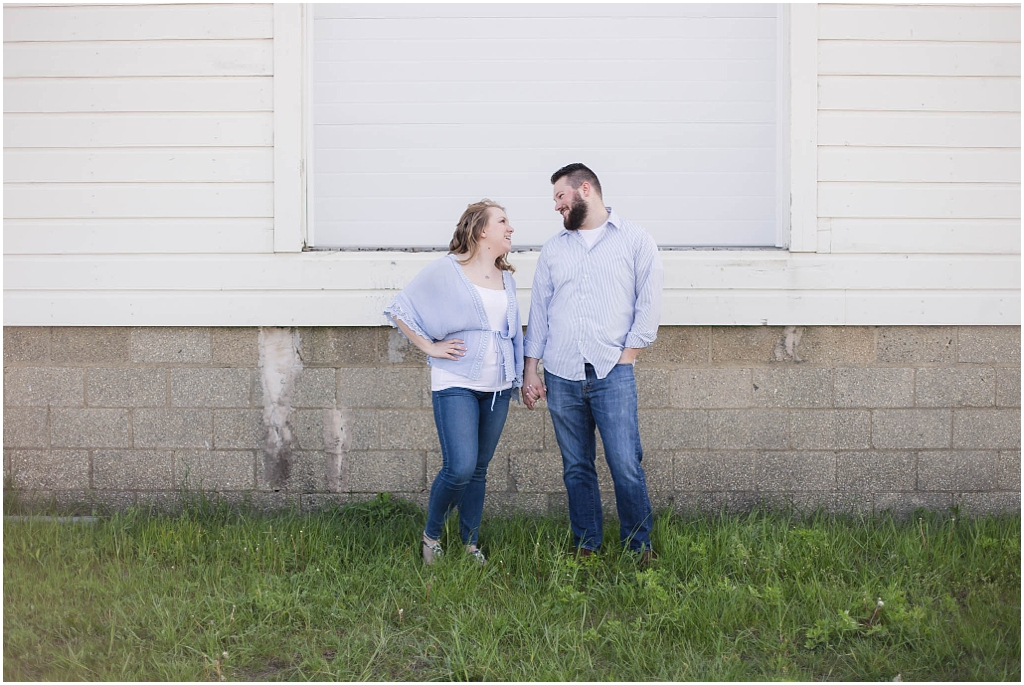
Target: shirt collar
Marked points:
613	221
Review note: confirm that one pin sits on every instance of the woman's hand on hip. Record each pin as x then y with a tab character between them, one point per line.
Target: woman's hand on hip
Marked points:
453	349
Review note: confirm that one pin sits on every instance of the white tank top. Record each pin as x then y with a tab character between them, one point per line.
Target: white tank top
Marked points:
492	375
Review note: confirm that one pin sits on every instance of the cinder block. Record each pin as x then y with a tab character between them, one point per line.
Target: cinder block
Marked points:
364	428
126	387
396	349
876	471
26	427
26	344
323	501
511	504
383	387
743	345
536	472
389	471
214	470
688	345
986	428
105	502
673	429
830	429
903	504
796	471
306	354
916	344
712	503
989	345
653	387
832	503
89	427
89	344
346	346
41	387
836	345
700	471
170	345
211	387
955	470
789	387
238	428
711	388
987	503
49	469
409	429
910	428
1008	477
182	428
315	388
734	429
524	431
160	502
956	387
306	472
874	387
308	428
132	470
1008	387
235	346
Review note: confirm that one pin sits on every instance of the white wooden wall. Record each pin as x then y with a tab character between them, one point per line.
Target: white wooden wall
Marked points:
139	167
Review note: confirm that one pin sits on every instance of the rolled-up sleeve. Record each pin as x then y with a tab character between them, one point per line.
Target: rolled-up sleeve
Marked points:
647	311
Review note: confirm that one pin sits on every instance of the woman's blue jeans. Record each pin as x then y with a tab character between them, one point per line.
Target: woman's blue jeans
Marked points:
610	404
469	424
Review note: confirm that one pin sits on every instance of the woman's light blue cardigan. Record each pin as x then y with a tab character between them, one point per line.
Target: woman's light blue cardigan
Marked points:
441	303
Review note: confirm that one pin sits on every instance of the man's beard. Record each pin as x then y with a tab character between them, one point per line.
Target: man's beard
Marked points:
577	213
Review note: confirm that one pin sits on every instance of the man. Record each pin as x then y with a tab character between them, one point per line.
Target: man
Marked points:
596	301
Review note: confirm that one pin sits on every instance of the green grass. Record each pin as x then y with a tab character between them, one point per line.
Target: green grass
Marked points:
343	595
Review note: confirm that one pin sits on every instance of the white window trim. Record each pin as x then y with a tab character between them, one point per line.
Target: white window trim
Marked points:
803	127
290	81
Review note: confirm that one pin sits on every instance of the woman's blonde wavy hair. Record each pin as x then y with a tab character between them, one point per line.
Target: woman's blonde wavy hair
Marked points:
467	232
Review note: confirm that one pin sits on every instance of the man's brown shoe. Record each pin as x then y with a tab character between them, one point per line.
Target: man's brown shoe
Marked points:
583	552
648	557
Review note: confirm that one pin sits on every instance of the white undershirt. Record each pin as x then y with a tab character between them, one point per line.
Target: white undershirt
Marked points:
591	235
492	375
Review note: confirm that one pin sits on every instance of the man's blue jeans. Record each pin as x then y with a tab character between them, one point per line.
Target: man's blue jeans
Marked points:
469	424
609	403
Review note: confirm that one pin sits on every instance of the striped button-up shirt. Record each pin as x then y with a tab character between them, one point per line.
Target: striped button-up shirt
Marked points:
588	304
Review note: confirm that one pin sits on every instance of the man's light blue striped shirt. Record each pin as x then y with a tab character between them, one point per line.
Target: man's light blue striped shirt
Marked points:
588	304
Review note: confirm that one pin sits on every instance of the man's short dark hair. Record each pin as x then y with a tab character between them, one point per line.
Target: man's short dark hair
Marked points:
576	174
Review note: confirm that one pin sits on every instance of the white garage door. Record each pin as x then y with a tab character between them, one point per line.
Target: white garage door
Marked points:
419	110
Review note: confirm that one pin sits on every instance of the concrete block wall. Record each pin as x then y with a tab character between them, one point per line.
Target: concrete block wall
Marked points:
857	419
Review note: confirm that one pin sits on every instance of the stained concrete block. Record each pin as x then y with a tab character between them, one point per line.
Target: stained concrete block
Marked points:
876	471
215	470
796	471
26	344
89	427
323	501
910	428
170	345
395	348
315	388
836	345
347	346
672	429
874	387
986	428
956	387
181	428
49	469
903	504
308	428
536	472
89	344
1008	477
712	388
211	387
306	472
235	346
409	429
238	428
383	387
1008	387
653	387
987	503
26	427
956	470
700	471
41	387
917	344
364	428
687	345
524	431
989	345
126	387
734	429
389	471
830	429
743	345
132	470
790	387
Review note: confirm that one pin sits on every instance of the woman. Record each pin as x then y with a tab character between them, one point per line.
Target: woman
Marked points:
461	311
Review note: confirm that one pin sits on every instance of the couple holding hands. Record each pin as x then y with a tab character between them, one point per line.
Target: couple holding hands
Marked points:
595	302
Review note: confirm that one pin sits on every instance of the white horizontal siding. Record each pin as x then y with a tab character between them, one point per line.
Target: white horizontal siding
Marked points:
138	130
